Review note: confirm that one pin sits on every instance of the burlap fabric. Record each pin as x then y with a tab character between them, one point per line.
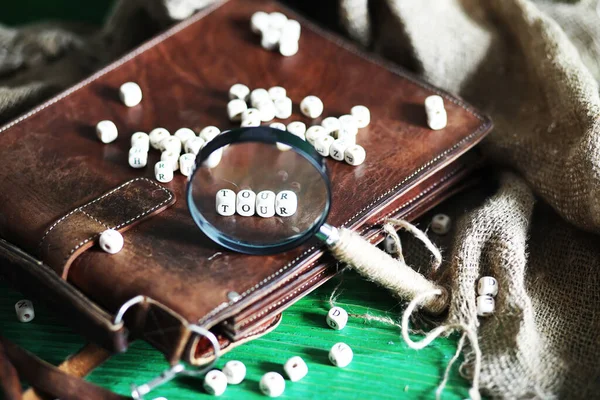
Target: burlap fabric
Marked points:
534	67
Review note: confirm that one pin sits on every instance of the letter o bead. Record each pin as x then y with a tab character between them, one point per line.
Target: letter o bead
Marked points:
246	203
225	202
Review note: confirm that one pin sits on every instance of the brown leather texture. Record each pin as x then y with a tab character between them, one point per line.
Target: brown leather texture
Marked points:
57	164
118	209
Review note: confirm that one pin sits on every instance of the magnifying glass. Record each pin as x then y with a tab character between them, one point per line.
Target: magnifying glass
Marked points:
286	182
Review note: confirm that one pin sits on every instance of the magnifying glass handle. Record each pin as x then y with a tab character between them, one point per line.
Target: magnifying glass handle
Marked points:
378	266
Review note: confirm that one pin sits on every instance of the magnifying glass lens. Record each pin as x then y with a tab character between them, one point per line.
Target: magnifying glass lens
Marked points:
258	198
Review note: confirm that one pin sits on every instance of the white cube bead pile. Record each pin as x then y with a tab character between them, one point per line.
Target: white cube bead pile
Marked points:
265	204
277	32
215	382
437	117
24	310
272	384
487	289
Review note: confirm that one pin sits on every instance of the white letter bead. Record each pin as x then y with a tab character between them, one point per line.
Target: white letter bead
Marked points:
226	202
283	108
259	22
323	145
214	159
288	46
24	310
235	371
362	115
209	133
337	318
297	128
156	136
111	241
106	131
130	94
184	134
487	286
172	158
434	103
440	224
295	368
314	132
215	382
291	30
265	204
171	143
251	113
239	91
337	151
389	245
311	106
286	203
267	110
186	163
194	145
437	119
277	92
485	305
141	140
246	203
138	157
347	135
277	125
331	124
348	123
235	108
258	95
272	384
355	155
277	20
340	355
270	38
163	171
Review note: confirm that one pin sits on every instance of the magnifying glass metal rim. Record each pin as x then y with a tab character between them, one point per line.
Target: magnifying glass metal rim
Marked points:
269	136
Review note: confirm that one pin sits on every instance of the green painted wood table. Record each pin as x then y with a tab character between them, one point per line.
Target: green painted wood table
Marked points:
383	366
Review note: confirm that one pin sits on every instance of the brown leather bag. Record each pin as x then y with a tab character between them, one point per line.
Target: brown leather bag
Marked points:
61	187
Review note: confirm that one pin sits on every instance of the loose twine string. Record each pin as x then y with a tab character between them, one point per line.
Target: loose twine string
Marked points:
394	274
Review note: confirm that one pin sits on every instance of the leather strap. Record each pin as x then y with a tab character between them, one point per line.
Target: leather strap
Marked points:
79	364
45	377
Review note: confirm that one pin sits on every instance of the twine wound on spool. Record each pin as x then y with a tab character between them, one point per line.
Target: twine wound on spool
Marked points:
392	274
404	282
